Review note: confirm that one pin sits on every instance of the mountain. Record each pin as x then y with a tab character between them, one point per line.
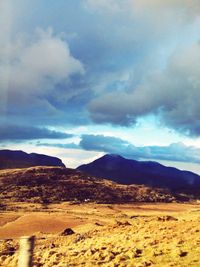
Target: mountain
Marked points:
55	184
10	159
127	171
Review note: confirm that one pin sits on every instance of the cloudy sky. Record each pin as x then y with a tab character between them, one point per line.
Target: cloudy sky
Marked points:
81	78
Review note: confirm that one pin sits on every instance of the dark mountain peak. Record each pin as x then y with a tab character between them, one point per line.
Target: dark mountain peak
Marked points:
150	173
113	157
9	152
10	159
108	162
116	157
152	164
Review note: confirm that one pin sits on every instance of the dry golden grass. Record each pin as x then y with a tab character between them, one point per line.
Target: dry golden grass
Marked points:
56	184
133	235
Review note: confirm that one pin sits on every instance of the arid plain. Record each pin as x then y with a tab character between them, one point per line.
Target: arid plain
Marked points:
163	234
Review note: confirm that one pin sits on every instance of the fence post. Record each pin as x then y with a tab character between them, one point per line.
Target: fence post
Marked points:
26	251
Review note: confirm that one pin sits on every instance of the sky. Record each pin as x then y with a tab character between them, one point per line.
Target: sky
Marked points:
82	78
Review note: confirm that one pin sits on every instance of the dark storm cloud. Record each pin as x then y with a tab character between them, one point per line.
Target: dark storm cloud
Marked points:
103	143
173	93
100	62
68	146
113	145
22	133
170	90
87	57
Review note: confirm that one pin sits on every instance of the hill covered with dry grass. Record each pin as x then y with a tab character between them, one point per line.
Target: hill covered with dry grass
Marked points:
57	184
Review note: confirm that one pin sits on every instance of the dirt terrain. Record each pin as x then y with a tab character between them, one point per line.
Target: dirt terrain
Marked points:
133	235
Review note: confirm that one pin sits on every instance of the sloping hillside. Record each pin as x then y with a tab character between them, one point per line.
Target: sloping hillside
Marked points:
10	159
55	184
126	171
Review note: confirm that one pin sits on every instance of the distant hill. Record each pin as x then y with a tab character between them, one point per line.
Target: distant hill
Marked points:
10	159
55	184
153	174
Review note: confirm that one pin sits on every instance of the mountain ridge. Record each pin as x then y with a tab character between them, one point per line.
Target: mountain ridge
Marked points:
11	159
149	173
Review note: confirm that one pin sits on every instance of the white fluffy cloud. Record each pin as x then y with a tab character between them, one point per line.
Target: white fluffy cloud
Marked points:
36	64
155	18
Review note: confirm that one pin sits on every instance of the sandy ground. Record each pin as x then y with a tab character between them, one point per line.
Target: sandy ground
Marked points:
133	235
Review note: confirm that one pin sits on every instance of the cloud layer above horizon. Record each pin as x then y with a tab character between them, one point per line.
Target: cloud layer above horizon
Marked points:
113	145
66	64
